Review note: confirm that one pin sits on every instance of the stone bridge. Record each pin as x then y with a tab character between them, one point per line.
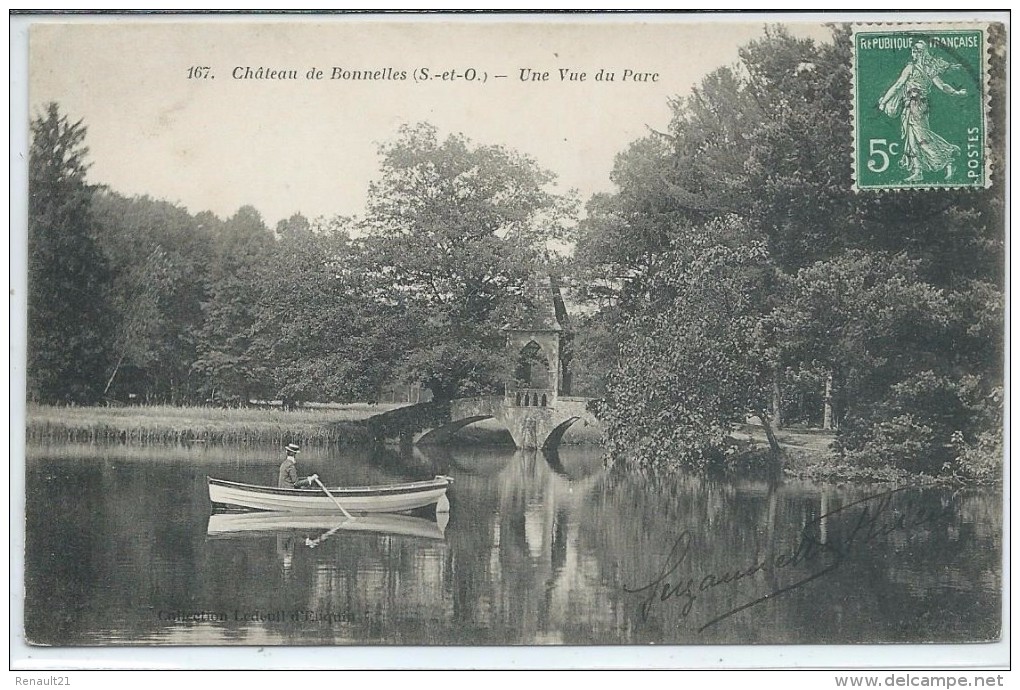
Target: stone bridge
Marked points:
534	418
536	408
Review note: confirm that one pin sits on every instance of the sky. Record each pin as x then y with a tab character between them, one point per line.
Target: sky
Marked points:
311	145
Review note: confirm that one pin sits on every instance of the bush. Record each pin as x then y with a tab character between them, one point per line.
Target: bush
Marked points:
931	424
981	460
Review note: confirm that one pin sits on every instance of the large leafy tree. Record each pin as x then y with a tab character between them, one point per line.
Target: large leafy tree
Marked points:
455	231
322	331
677	391
870	320
158	254
225	367
69	317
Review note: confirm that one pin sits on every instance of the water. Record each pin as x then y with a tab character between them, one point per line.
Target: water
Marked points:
121	550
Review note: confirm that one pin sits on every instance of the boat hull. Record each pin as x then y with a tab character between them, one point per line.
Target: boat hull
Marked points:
395	498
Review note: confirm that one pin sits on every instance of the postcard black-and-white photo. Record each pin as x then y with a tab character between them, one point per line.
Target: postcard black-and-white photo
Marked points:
433	330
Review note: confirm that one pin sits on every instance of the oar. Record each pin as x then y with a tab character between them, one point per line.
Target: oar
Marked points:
323	487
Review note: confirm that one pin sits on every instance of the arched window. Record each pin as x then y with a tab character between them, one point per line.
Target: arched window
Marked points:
532	367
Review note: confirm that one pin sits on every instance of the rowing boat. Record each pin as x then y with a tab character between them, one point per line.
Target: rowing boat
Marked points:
390	498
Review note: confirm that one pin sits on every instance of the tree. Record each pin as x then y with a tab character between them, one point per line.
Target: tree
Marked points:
677	392
69	316
596	344
158	256
321	331
295	227
455	231
241	248
140	314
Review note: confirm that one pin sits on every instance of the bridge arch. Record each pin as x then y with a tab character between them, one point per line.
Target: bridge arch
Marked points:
443	433
533	425
556	435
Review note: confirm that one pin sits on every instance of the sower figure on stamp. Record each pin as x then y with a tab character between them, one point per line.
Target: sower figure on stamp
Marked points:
923	150
288	470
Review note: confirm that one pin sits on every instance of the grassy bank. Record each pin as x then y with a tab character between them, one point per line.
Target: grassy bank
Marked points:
808	454
319	425
168	424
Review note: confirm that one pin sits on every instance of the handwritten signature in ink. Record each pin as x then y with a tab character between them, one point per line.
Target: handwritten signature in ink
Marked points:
871	517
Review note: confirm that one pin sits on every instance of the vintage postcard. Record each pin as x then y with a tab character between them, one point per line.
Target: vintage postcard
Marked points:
506	330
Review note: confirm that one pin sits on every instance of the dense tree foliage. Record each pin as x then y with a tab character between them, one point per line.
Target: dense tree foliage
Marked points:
159	256
136	298
701	378
241	248
323	332
456	230
69	314
894	298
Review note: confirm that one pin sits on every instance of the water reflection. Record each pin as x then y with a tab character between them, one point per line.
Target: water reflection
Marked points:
246	525
538	549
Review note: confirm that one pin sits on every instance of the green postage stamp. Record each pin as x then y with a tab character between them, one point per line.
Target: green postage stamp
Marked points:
920	107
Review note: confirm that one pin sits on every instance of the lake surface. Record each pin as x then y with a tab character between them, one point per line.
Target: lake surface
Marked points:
121	549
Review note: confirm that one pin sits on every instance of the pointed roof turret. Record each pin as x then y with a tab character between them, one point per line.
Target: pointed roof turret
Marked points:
545	310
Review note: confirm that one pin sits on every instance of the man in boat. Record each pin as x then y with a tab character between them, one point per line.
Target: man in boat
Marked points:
288	470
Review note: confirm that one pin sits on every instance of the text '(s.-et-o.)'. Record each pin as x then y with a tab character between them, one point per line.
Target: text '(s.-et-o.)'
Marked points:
433	74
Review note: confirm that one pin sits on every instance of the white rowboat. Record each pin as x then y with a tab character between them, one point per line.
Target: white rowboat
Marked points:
391	498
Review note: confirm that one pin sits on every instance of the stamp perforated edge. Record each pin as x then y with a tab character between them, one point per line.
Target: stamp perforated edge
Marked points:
871	27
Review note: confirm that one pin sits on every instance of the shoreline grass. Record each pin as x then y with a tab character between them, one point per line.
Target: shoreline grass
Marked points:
167	424
808	454
171	424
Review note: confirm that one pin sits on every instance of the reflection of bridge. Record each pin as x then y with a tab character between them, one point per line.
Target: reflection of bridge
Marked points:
535	419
